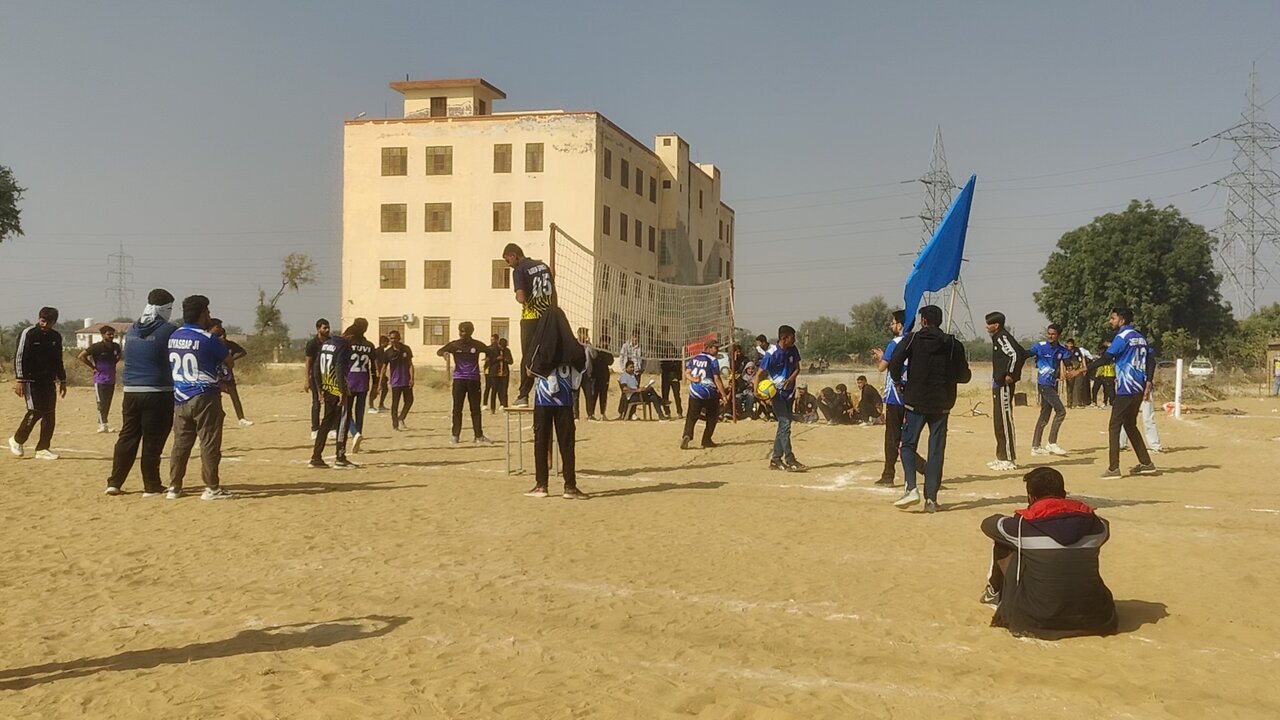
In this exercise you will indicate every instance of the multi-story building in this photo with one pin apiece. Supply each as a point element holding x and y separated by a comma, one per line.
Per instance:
<point>431,198</point>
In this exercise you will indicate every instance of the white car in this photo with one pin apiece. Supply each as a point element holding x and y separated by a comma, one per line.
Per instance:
<point>1200,367</point>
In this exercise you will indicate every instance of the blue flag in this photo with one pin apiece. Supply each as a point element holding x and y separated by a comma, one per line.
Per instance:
<point>938,264</point>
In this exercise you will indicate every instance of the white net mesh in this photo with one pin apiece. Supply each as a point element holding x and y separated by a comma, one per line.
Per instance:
<point>673,321</point>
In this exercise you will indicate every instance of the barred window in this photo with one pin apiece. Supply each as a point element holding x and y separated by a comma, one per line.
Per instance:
<point>436,274</point>
<point>391,275</point>
<point>395,161</point>
<point>501,216</point>
<point>533,157</point>
<point>394,217</point>
<point>435,330</point>
<point>501,275</point>
<point>439,217</point>
<point>533,215</point>
<point>440,160</point>
<point>502,158</point>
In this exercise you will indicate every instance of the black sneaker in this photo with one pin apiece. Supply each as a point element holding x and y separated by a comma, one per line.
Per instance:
<point>931,506</point>
<point>776,464</point>
<point>318,464</point>
<point>573,493</point>
<point>990,598</point>
<point>796,466</point>
<point>1144,469</point>
<point>710,444</point>
<point>1111,474</point>
<point>521,402</point>
<point>885,481</point>
<point>684,442</point>
<point>343,462</point>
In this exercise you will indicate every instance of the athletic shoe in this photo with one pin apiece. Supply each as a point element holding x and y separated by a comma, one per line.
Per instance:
<point>453,440</point>
<point>990,598</point>
<point>1056,449</point>
<point>333,434</point>
<point>994,464</point>
<point>343,462</point>
<point>521,402</point>
<point>776,464</point>
<point>909,498</point>
<point>149,494</point>
<point>710,444</point>
<point>1111,474</point>
<point>1144,469</point>
<point>538,491</point>
<point>355,442</point>
<point>796,466</point>
<point>573,493</point>
<point>172,494</point>
<point>885,481</point>
<point>372,411</point>
<point>102,427</point>
<point>15,447</point>
<point>684,442</point>
<point>318,464</point>
<point>1036,450</point>
<point>45,455</point>
<point>1004,466</point>
<point>113,490</point>
<point>245,422</point>
<point>591,418</point>
<point>484,440</point>
<point>215,494</point>
<point>313,434</point>
<point>931,506</point>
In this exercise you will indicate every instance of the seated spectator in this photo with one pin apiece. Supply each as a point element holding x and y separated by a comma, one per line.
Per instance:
<point>1044,580</point>
<point>806,406</point>
<point>629,383</point>
<point>838,410</point>
<point>870,407</point>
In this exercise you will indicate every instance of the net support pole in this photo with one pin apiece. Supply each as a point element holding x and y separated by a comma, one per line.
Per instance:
<point>1177,390</point>
<point>733,328</point>
<point>551,250</point>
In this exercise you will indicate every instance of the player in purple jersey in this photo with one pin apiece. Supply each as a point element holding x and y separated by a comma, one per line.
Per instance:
<point>194,357</point>
<point>378,389</point>
<point>397,373</point>
<point>227,375</point>
<point>102,358</point>
<point>466,352</point>
<point>359,378</point>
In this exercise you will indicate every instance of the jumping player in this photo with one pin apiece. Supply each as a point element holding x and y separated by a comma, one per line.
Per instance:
<point>102,358</point>
<point>706,391</point>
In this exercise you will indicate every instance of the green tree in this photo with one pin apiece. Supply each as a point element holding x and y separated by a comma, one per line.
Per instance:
<point>296,271</point>
<point>10,214</point>
<point>1247,346</point>
<point>1151,259</point>
<point>869,325</point>
<point>825,337</point>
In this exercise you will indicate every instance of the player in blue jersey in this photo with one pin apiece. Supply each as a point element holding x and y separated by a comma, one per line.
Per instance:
<point>706,392</point>
<point>894,413</point>
<point>195,357</point>
<point>1135,367</point>
<point>332,362</point>
<point>781,364</point>
<point>554,399</point>
<point>1051,366</point>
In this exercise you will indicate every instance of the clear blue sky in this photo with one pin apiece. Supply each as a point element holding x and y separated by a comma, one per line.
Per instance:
<point>206,136</point>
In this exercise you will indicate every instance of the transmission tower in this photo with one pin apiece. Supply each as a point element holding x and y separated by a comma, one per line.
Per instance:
<point>1250,232</point>
<point>120,278</point>
<point>938,191</point>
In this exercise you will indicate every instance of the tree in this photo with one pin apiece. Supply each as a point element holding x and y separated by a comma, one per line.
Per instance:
<point>825,337</point>
<point>869,325</point>
<point>297,270</point>
<point>1151,259</point>
<point>1247,346</point>
<point>10,215</point>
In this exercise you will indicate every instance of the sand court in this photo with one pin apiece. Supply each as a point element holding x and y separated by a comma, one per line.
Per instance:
<point>694,584</point>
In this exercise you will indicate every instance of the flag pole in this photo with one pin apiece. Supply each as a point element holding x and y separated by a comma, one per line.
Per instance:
<point>951,304</point>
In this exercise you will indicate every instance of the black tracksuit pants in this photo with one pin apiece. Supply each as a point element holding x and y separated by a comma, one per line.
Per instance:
<point>1124,416</point>
<point>42,407</point>
<point>527,328</point>
<point>468,390</point>
<point>894,417</point>
<point>672,382</point>
<point>146,419</point>
<point>546,420</point>
<point>104,393</point>
<point>398,413</point>
<point>698,408</point>
<point>334,418</point>
<point>1002,416</point>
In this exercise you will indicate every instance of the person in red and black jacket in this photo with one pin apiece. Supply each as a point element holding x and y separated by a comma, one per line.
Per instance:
<point>1044,580</point>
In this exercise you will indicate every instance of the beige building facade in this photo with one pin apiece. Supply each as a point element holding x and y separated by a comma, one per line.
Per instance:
<point>431,198</point>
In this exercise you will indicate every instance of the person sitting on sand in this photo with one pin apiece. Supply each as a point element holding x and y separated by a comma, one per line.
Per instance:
<point>1044,579</point>
<point>806,405</point>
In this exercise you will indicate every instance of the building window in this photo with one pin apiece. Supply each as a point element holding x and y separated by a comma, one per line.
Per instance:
<point>501,275</point>
<point>622,226</point>
<point>626,174</point>
<point>394,217</point>
<point>653,233</point>
<point>666,142</point>
<point>533,215</point>
<point>395,161</point>
<point>721,229</point>
<point>639,182</point>
<point>501,327</point>
<point>699,249</point>
<point>727,271</point>
<point>435,274</point>
<point>502,158</point>
<point>501,216</point>
<point>440,160</point>
<point>439,106</point>
<point>699,199</point>
<point>653,190</point>
<point>391,275</point>
<point>639,233</point>
<point>482,108</point>
<point>533,157</point>
<point>439,217</point>
<point>606,223</point>
<point>666,184</point>
<point>435,330</point>
<point>608,164</point>
<point>719,268</point>
<point>387,324</point>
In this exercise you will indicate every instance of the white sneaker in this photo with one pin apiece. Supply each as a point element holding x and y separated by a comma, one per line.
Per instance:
<point>245,422</point>
<point>355,442</point>
<point>172,494</point>
<point>1036,450</point>
<point>45,455</point>
<point>453,439</point>
<point>102,427</point>
<point>15,447</point>
<point>313,434</point>
<point>333,434</point>
<point>909,498</point>
<point>372,411</point>
<point>1056,449</point>
<point>994,464</point>
<point>113,490</point>
<point>1004,465</point>
<point>215,494</point>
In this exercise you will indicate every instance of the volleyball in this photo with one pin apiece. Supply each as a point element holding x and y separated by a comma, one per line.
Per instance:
<point>766,389</point>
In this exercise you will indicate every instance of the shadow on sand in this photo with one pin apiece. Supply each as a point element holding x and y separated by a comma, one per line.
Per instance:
<point>1136,613</point>
<point>659,487</point>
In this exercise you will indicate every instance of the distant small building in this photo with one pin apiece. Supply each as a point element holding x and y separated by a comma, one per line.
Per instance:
<point>91,332</point>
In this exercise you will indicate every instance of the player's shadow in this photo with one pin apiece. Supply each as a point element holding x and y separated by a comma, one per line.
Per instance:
<point>389,465</point>
<point>660,487</point>
<point>1182,448</point>
<point>1133,614</point>
<point>633,471</point>
<point>279,638</point>
<point>255,492</point>
<point>1099,503</point>
<point>1055,462</point>
<point>238,450</point>
<point>1187,469</point>
<point>1017,500</point>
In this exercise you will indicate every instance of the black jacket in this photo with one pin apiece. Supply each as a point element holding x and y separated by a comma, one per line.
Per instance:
<point>937,363</point>
<point>554,344</point>
<point>39,356</point>
<point>1007,357</point>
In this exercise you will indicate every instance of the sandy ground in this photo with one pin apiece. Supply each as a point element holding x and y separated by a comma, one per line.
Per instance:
<point>694,583</point>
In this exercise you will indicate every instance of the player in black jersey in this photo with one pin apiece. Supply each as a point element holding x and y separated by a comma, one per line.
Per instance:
<point>331,363</point>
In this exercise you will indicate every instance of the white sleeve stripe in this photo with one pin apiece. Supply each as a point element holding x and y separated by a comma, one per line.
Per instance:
<point>22,347</point>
